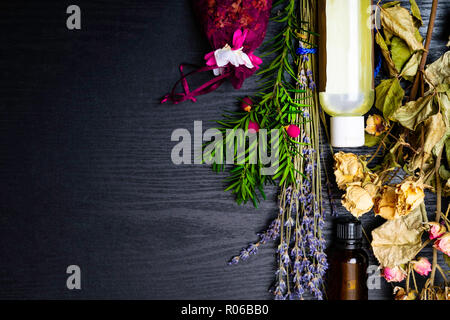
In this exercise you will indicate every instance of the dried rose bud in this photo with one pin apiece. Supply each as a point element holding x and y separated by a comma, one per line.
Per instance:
<point>347,169</point>
<point>422,266</point>
<point>399,201</point>
<point>410,196</point>
<point>357,201</point>
<point>372,189</point>
<point>246,104</point>
<point>375,125</point>
<point>386,203</point>
<point>436,230</point>
<point>443,243</point>
<point>400,294</point>
<point>395,274</point>
<point>292,130</point>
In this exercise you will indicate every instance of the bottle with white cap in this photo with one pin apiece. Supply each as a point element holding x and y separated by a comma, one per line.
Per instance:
<point>346,89</point>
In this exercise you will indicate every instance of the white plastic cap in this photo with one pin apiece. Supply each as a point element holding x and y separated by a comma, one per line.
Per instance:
<point>347,131</point>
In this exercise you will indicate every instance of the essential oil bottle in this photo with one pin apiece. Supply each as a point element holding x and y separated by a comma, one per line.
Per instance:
<point>346,88</point>
<point>347,274</point>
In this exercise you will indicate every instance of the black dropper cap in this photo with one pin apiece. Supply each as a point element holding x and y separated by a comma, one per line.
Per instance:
<point>349,232</point>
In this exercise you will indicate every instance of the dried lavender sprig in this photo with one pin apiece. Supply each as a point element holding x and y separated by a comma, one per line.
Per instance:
<point>272,233</point>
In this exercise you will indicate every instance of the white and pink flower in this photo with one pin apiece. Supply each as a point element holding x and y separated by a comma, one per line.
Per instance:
<point>232,55</point>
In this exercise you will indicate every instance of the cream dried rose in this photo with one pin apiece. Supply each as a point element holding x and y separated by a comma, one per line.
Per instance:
<point>410,196</point>
<point>371,183</point>
<point>357,200</point>
<point>371,189</point>
<point>347,169</point>
<point>385,205</point>
<point>399,201</point>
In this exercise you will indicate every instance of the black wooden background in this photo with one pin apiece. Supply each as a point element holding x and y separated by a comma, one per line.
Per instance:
<point>86,175</point>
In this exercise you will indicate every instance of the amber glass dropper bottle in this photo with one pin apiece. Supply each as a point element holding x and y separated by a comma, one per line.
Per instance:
<point>347,275</point>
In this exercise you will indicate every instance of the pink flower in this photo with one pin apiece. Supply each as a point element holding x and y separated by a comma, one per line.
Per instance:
<point>246,104</point>
<point>395,274</point>
<point>422,266</point>
<point>436,230</point>
<point>292,130</point>
<point>443,244</point>
<point>253,127</point>
<point>234,55</point>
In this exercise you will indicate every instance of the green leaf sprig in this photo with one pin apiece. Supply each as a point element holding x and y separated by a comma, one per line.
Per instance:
<point>276,105</point>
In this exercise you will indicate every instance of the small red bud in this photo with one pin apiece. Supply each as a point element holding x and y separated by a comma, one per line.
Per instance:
<point>292,130</point>
<point>246,104</point>
<point>253,127</point>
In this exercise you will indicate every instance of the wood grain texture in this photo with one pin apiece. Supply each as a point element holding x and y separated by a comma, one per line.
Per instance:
<point>85,171</point>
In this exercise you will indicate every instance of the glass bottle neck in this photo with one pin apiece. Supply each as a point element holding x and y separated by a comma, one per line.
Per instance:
<point>349,244</point>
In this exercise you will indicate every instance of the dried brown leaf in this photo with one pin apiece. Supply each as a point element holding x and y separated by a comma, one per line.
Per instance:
<point>397,241</point>
<point>438,72</point>
<point>415,112</point>
<point>398,21</point>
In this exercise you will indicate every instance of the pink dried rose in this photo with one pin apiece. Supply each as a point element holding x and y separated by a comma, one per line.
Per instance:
<point>253,127</point>
<point>443,243</point>
<point>422,266</point>
<point>436,230</point>
<point>395,274</point>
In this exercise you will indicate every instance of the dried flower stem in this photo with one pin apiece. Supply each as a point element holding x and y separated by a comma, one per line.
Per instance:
<point>379,146</point>
<point>408,276</point>
<point>419,76</point>
<point>438,211</point>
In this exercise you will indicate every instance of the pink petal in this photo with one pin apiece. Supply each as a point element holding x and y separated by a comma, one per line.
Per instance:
<point>254,59</point>
<point>210,59</point>
<point>238,39</point>
<point>209,55</point>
